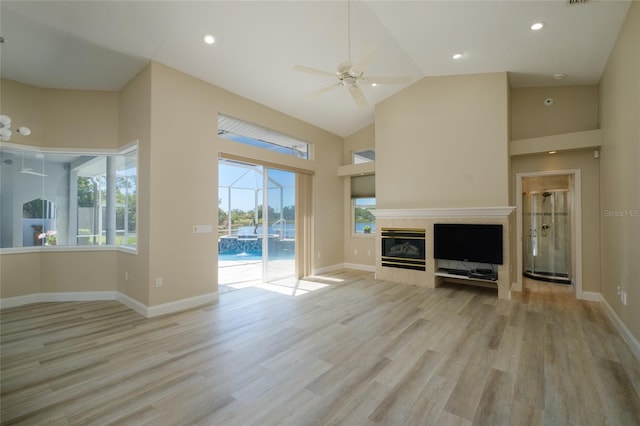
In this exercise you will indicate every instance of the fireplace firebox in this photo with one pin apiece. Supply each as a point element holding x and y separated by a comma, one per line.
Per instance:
<point>403,248</point>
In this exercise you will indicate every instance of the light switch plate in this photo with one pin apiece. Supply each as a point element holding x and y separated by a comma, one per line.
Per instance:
<point>202,229</point>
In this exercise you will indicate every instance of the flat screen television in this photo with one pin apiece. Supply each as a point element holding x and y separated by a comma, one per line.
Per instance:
<point>468,242</point>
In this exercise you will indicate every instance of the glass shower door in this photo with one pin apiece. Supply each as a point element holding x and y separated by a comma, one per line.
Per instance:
<point>546,225</point>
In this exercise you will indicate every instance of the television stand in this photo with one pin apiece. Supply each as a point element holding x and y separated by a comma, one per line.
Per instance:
<point>484,275</point>
<point>468,276</point>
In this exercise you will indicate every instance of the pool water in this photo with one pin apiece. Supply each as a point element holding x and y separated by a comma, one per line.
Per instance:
<point>241,257</point>
<point>250,257</point>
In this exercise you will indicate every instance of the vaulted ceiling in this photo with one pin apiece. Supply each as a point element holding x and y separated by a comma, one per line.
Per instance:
<point>103,44</point>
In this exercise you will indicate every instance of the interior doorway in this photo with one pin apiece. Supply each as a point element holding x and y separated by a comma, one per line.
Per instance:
<point>549,228</point>
<point>546,221</point>
<point>256,224</point>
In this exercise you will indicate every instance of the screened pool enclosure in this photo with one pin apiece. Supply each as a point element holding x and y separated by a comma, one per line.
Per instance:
<point>256,222</point>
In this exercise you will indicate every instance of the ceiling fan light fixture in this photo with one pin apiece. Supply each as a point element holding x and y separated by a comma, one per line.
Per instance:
<point>537,26</point>
<point>24,131</point>
<point>351,74</point>
<point>5,129</point>
<point>5,134</point>
<point>5,121</point>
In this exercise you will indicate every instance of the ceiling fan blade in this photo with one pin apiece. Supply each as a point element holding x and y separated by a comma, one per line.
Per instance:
<point>388,80</point>
<point>314,71</point>
<point>358,96</point>
<point>362,62</point>
<point>323,91</point>
<point>31,172</point>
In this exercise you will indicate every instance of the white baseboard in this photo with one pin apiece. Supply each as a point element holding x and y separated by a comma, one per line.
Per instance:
<point>85,296</point>
<point>327,269</point>
<point>590,296</point>
<point>340,266</point>
<point>132,304</point>
<point>359,267</point>
<point>626,334</point>
<point>69,296</point>
<point>181,305</point>
<point>12,302</point>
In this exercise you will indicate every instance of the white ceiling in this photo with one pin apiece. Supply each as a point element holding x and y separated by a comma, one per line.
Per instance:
<point>103,44</point>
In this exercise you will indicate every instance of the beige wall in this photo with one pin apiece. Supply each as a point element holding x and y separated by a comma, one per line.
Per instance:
<point>360,249</point>
<point>590,195</point>
<point>55,272</point>
<point>78,271</point>
<point>620,173</point>
<point>59,119</point>
<point>62,118</point>
<point>134,121</point>
<point>19,275</point>
<point>177,182</point>
<point>575,109</point>
<point>24,104</point>
<point>184,176</point>
<point>80,118</point>
<point>443,142</point>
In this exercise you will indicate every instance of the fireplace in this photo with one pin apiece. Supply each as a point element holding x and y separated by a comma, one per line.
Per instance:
<point>418,224</point>
<point>403,248</point>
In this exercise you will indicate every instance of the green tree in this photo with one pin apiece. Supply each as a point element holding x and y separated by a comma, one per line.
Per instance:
<point>222,216</point>
<point>289,213</point>
<point>86,192</point>
<point>363,215</point>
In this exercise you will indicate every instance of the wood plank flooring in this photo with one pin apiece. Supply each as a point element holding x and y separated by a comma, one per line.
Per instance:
<point>357,352</point>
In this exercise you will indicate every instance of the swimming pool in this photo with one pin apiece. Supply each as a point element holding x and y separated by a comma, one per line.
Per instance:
<point>240,257</point>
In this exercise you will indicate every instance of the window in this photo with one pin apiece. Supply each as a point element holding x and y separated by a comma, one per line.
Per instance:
<point>363,200</point>
<point>251,134</point>
<point>66,199</point>
<point>363,220</point>
<point>366,156</point>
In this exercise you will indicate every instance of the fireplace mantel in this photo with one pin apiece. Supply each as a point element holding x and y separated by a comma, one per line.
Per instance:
<point>500,212</point>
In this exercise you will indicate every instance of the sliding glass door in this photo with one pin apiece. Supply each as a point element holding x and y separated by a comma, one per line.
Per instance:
<point>256,227</point>
<point>279,245</point>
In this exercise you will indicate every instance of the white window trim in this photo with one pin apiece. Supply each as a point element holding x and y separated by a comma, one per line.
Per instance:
<point>131,146</point>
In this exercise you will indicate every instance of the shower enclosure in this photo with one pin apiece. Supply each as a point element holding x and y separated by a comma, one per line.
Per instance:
<point>547,235</point>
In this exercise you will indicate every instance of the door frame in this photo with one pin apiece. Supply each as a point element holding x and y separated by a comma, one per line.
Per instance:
<point>576,226</point>
<point>303,210</point>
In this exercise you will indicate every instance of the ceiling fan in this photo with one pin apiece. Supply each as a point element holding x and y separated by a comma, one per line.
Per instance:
<point>350,74</point>
<point>29,170</point>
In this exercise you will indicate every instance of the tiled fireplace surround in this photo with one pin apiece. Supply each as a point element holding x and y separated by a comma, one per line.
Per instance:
<point>425,218</point>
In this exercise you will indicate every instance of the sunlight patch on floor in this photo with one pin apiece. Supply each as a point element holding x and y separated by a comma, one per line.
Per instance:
<point>292,287</point>
<point>249,274</point>
<point>329,279</point>
<point>288,286</point>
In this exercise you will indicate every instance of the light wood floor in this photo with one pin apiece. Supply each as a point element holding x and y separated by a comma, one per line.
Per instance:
<point>357,352</point>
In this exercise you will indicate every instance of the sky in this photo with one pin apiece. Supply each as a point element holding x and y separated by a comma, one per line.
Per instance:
<point>245,180</point>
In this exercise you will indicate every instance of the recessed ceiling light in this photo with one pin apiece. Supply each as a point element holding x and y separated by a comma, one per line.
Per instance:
<point>374,84</point>
<point>457,56</point>
<point>209,39</point>
<point>552,152</point>
<point>560,76</point>
<point>536,26</point>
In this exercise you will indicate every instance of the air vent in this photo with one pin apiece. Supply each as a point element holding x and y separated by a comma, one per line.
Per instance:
<point>578,1</point>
